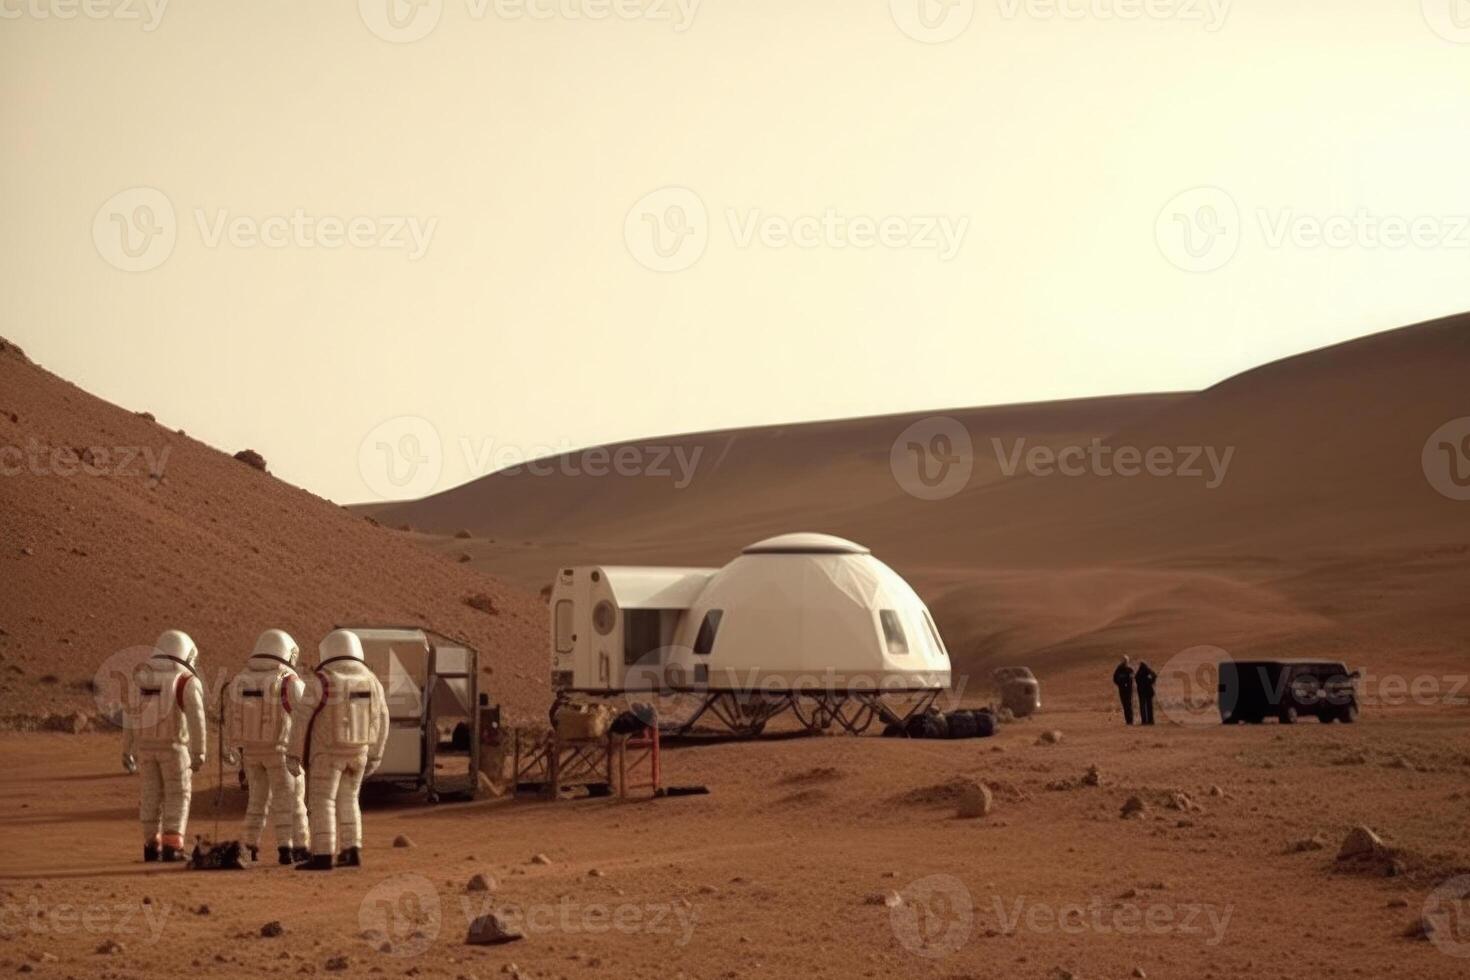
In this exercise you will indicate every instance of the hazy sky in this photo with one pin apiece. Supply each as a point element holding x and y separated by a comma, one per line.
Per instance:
<point>507,227</point>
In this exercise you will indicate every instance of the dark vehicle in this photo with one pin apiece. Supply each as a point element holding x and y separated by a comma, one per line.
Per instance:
<point>1253,690</point>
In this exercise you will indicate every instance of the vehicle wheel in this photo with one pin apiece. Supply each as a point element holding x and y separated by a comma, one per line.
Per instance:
<point>1349,714</point>
<point>1288,716</point>
<point>1327,717</point>
<point>1254,720</point>
<point>433,798</point>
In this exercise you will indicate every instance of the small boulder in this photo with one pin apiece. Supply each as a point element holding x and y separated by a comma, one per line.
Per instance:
<point>540,859</point>
<point>479,883</point>
<point>1134,808</point>
<point>1049,738</point>
<point>109,946</point>
<point>402,840</point>
<point>889,899</point>
<point>975,800</point>
<point>482,602</point>
<point>1093,777</point>
<point>1360,843</point>
<point>337,963</point>
<point>272,929</point>
<point>252,458</point>
<point>463,533</point>
<point>491,930</point>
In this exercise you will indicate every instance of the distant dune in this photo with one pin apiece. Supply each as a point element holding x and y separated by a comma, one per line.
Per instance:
<point>1310,525</point>
<point>100,557</point>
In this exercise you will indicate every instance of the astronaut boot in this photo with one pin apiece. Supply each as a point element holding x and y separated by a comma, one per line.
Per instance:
<point>171,854</point>
<point>350,858</point>
<point>317,862</point>
<point>300,854</point>
<point>150,852</point>
<point>284,855</point>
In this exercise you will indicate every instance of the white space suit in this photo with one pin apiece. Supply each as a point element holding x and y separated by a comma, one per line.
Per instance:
<point>338,731</point>
<point>258,704</point>
<point>165,739</point>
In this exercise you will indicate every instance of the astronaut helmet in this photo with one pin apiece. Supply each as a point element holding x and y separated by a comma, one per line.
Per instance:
<point>339,645</point>
<point>177,645</point>
<point>278,645</point>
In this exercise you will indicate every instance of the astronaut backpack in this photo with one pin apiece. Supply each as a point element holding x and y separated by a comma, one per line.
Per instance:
<point>160,715</point>
<point>347,710</point>
<point>260,709</point>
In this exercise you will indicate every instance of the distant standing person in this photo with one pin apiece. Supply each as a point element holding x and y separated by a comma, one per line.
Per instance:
<point>1145,678</point>
<point>1123,680</point>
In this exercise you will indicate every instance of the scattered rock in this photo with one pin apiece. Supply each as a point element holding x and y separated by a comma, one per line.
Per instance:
<point>1314,843</point>
<point>202,910</point>
<point>890,900</point>
<point>463,533</point>
<point>1359,843</point>
<point>479,883</point>
<point>1421,928</point>
<point>1134,808</point>
<point>491,930</point>
<point>1398,903</point>
<point>1181,802</point>
<point>252,458</point>
<point>272,929</point>
<point>337,963</point>
<point>975,801</point>
<point>1093,777</point>
<point>402,840</point>
<point>1217,792</point>
<point>463,558</point>
<point>109,946</point>
<point>146,416</point>
<point>1049,738</point>
<point>540,859</point>
<point>595,873</point>
<point>482,602</point>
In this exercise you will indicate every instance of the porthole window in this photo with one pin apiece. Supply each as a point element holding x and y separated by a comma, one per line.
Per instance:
<point>604,617</point>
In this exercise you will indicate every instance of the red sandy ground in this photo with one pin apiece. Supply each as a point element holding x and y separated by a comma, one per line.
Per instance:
<point>776,864</point>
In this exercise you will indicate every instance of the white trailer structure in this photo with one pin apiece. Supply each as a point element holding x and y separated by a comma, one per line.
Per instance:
<point>432,686</point>
<point>804,622</point>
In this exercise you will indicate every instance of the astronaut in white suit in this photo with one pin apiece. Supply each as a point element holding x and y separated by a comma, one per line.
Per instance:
<point>165,738</point>
<point>338,732</point>
<point>258,704</point>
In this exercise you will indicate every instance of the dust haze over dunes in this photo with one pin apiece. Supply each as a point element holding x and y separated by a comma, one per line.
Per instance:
<point>1297,513</point>
<point>100,558</point>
